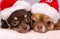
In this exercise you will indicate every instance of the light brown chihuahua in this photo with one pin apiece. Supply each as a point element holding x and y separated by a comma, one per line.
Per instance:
<point>41,23</point>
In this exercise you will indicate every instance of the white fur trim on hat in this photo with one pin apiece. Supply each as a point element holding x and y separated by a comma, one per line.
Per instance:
<point>18,5</point>
<point>59,14</point>
<point>44,8</point>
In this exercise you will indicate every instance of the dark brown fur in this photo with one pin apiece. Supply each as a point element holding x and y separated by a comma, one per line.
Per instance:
<point>19,20</point>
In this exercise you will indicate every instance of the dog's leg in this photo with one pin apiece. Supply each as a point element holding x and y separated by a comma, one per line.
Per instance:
<point>57,25</point>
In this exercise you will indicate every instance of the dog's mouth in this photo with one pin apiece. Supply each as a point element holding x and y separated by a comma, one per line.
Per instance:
<point>40,28</point>
<point>24,29</point>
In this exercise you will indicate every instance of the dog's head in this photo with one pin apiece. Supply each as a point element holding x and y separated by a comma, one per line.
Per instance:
<point>41,23</point>
<point>17,16</point>
<point>43,17</point>
<point>20,20</point>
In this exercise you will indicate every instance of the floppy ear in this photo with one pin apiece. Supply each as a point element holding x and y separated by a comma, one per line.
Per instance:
<point>4,24</point>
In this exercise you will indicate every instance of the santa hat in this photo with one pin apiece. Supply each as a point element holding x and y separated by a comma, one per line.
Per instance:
<point>44,8</point>
<point>7,3</point>
<point>5,13</point>
<point>52,3</point>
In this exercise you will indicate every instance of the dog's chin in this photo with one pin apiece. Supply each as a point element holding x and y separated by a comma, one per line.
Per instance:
<point>24,29</point>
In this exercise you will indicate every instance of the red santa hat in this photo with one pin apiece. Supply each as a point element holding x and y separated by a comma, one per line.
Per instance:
<point>7,3</point>
<point>52,3</point>
<point>46,9</point>
<point>16,5</point>
<point>0,5</point>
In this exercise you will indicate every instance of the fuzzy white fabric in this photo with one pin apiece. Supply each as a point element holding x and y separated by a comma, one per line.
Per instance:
<point>44,8</point>
<point>18,5</point>
<point>10,34</point>
<point>59,14</point>
<point>0,0</point>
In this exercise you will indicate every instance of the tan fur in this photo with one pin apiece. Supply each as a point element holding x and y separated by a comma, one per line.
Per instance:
<point>42,19</point>
<point>57,25</point>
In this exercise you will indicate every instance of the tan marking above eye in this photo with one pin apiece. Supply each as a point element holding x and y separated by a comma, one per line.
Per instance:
<point>49,20</point>
<point>25,16</point>
<point>15,18</point>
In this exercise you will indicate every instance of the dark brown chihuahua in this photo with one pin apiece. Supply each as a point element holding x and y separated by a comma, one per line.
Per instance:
<point>20,20</point>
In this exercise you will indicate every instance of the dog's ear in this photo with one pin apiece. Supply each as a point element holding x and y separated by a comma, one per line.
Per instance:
<point>29,12</point>
<point>4,24</point>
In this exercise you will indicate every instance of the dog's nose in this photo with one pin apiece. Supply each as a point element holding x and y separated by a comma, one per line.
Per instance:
<point>39,27</point>
<point>24,27</point>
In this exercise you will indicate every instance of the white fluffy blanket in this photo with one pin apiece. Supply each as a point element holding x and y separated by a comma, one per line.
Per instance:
<point>10,34</point>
